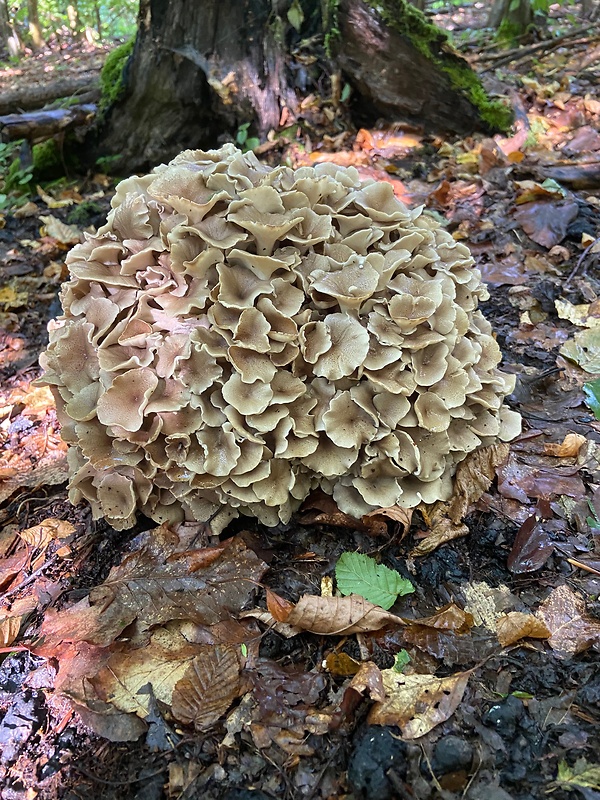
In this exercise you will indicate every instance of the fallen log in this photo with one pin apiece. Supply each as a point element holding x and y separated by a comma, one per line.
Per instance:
<point>36,126</point>
<point>29,98</point>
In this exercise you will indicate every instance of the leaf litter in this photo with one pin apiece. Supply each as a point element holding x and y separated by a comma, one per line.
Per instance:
<point>174,634</point>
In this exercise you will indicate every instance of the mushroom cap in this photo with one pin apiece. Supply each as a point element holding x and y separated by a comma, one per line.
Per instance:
<point>236,335</point>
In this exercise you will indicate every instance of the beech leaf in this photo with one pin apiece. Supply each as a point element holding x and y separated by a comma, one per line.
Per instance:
<point>335,616</point>
<point>357,573</point>
<point>516,625</point>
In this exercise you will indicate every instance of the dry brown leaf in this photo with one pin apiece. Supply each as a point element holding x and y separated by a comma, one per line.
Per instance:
<point>208,687</point>
<point>40,536</point>
<point>473,477</point>
<point>442,530</point>
<point>278,607</point>
<point>571,630</point>
<point>568,448</point>
<point>56,229</point>
<point>9,630</point>
<point>369,681</point>
<point>334,616</point>
<point>11,566</point>
<point>417,703</point>
<point>517,625</point>
<point>449,618</point>
<point>398,514</point>
<point>289,631</point>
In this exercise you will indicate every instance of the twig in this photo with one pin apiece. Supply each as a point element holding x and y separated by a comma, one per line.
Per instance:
<point>580,261</point>
<point>31,578</point>
<point>532,48</point>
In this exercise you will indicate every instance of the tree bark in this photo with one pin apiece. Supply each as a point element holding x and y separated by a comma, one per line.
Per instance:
<point>9,40</point>
<point>35,30</point>
<point>200,70</point>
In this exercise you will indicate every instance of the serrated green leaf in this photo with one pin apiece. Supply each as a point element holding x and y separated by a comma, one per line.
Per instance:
<point>401,659</point>
<point>356,573</point>
<point>582,774</point>
<point>591,390</point>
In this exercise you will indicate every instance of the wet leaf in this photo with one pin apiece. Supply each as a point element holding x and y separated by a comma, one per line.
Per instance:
<point>208,687</point>
<point>357,573</point>
<point>334,616</point>
<point>152,589</point>
<point>591,391</point>
<point>517,625</point>
<point>417,703</point>
<point>546,223</point>
<point>519,481</point>
<point>449,618</point>
<point>532,547</point>
<point>278,607</point>
<point>571,630</point>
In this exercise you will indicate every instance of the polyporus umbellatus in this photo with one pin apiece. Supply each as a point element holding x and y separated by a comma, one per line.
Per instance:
<point>237,335</point>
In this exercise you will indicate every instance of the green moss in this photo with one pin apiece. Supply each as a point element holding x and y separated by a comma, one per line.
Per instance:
<point>47,160</point>
<point>81,214</point>
<point>429,40</point>
<point>111,76</point>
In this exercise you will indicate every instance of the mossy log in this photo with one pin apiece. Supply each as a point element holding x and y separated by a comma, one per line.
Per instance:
<point>200,70</point>
<point>34,96</point>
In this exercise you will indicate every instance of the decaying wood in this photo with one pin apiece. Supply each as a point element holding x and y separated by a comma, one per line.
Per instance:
<point>187,83</point>
<point>31,97</point>
<point>578,176</point>
<point>36,126</point>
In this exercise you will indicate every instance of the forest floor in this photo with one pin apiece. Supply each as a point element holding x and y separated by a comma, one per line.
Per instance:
<point>496,660</point>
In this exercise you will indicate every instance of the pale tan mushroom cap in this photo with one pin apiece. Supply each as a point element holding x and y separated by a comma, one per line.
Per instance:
<point>236,336</point>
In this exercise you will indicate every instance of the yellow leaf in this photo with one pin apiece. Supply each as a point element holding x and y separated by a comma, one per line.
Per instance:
<point>568,448</point>
<point>417,703</point>
<point>9,630</point>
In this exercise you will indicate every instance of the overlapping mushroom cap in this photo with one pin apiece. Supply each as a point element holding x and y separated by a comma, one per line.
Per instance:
<point>237,335</point>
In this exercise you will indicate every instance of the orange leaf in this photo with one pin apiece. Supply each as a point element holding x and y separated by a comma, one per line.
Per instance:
<point>278,607</point>
<point>516,625</point>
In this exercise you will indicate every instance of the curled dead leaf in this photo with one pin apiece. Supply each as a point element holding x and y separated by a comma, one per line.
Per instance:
<point>334,616</point>
<point>40,536</point>
<point>568,448</point>
<point>517,625</point>
<point>9,630</point>
<point>417,703</point>
<point>369,681</point>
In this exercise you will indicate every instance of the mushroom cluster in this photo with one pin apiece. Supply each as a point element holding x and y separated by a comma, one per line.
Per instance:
<point>237,335</point>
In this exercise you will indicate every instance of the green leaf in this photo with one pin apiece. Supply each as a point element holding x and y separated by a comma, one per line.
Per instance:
<point>591,390</point>
<point>582,774</point>
<point>346,91</point>
<point>295,15</point>
<point>400,661</point>
<point>356,573</point>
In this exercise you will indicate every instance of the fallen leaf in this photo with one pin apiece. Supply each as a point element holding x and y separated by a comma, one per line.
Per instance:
<point>11,566</point>
<point>442,530</point>
<point>52,202</point>
<point>568,448</point>
<point>341,664</point>
<point>63,233</point>
<point>517,625</point>
<point>532,547</point>
<point>9,630</point>
<point>417,703</point>
<point>584,349</point>
<point>474,476</point>
<point>208,687</point>
<point>583,774</point>
<point>519,481</point>
<point>545,222</point>
<point>368,681</point>
<point>585,315</point>
<point>449,618</point>
<point>289,631</point>
<point>152,589</point>
<point>335,616</point>
<point>278,607</point>
<point>485,603</point>
<point>571,630</point>
<point>357,573</point>
<point>398,514</point>
<point>40,536</point>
